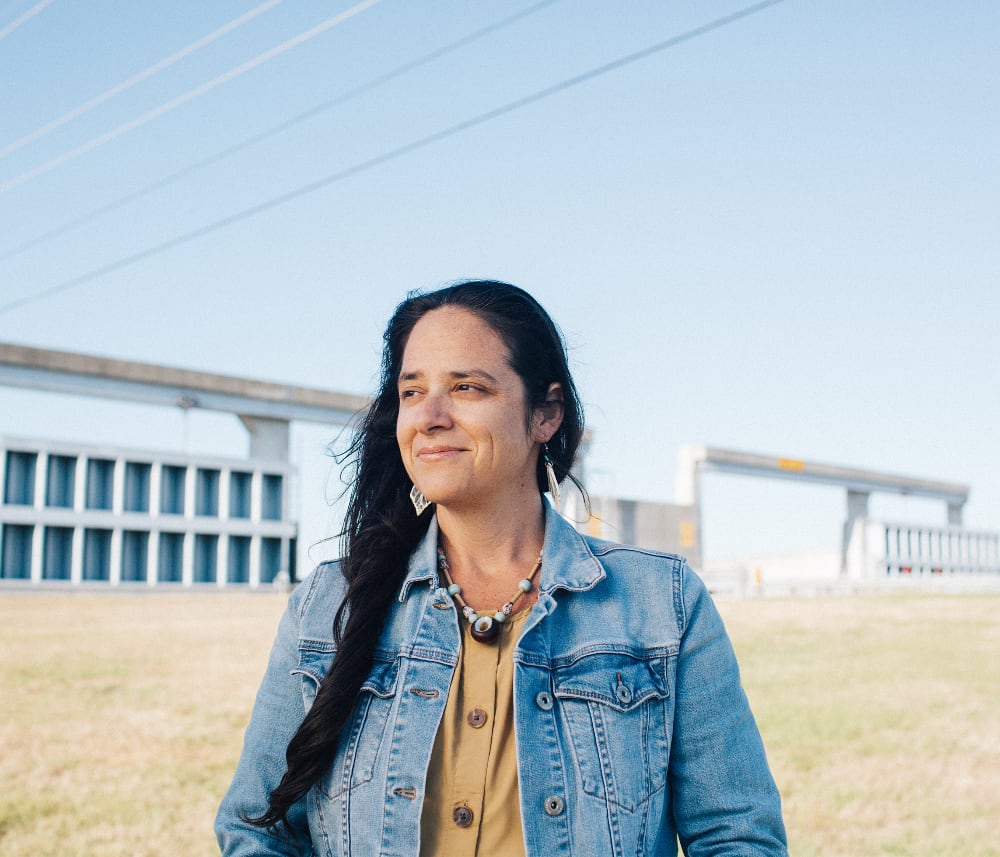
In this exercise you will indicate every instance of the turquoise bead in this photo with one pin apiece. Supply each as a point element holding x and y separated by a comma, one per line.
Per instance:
<point>524,585</point>
<point>500,616</point>
<point>454,589</point>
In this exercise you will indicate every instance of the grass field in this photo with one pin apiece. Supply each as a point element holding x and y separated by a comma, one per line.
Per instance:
<point>121,717</point>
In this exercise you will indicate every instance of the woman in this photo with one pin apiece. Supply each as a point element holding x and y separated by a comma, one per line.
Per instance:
<point>474,676</point>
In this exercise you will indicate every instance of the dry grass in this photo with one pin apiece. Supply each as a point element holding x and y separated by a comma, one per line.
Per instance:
<point>121,717</point>
<point>880,718</point>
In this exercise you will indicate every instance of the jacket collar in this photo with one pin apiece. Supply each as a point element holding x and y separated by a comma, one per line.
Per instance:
<point>567,560</point>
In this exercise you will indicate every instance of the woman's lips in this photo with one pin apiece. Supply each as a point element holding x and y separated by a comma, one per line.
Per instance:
<point>437,453</point>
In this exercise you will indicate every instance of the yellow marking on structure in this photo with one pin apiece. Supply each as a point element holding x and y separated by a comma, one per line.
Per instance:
<point>791,464</point>
<point>687,534</point>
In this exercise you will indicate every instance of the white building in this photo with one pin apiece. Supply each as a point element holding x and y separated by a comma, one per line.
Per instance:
<point>76,513</point>
<point>111,516</point>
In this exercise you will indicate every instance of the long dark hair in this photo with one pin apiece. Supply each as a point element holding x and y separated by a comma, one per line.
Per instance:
<point>381,530</point>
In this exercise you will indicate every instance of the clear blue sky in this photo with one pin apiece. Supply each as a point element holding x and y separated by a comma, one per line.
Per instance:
<point>780,235</point>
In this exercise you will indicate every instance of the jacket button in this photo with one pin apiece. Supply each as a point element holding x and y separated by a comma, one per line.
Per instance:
<point>544,700</point>
<point>554,805</point>
<point>624,694</point>
<point>477,718</point>
<point>462,816</point>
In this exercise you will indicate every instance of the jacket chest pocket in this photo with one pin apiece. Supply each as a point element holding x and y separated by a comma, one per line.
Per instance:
<point>361,739</point>
<point>615,709</point>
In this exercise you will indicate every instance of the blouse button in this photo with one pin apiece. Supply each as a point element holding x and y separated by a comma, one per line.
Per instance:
<point>462,816</point>
<point>554,805</point>
<point>544,700</point>
<point>477,718</point>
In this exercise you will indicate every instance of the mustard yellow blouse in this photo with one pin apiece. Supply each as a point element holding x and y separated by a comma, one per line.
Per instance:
<point>472,801</point>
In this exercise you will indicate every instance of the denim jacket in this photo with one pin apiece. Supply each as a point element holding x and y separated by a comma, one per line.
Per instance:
<point>632,728</point>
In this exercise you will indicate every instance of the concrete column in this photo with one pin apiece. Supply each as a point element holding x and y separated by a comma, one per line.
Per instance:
<point>225,477</point>
<point>955,514</point>
<point>222,560</point>
<point>190,490</point>
<point>187,564</point>
<point>254,576</point>
<point>268,437</point>
<point>41,472</point>
<point>153,554</point>
<point>118,487</point>
<point>155,477</point>
<point>115,571</point>
<point>857,510</point>
<point>76,565</point>
<point>256,495</point>
<point>37,546</point>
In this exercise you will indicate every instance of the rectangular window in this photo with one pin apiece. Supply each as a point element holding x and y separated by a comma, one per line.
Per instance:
<point>171,558</point>
<point>172,481</point>
<point>96,554</point>
<point>239,560</point>
<point>135,555</point>
<point>137,486</point>
<point>207,493</point>
<point>19,482</point>
<point>239,494</point>
<point>61,481</point>
<point>57,553</point>
<point>15,553</point>
<point>206,557</point>
<point>270,559</point>
<point>100,483</point>
<point>270,501</point>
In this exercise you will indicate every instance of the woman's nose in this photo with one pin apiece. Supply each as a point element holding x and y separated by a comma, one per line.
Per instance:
<point>434,413</point>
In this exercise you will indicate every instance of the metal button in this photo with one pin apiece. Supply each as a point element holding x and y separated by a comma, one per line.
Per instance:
<point>624,694</point>
<point>462,816</point>
<point>477,718</point>
<point>554,805</point>
<point>543,700</point>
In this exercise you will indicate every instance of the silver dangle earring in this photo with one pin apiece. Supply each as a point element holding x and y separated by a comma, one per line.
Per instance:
<point>419,501</point>
<point>550,474</point>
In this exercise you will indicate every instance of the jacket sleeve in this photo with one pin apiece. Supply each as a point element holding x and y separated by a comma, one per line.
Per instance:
<point>725,801</point>
<point>277,713</point>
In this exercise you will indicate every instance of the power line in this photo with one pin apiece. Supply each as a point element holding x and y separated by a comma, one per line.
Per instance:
<point>145,74</point>
<point>191,94</point>
<point>390,155</point>
<point>274,130</point>
<point>23,19</point>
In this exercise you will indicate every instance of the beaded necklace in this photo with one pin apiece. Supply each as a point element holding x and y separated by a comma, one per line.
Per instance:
<point>486,626</point>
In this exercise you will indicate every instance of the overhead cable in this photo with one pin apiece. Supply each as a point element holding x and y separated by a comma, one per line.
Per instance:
<point>23,19</point>
<point>274,130</point>
<point>190,95</point>
<point>390,155</point>
<point>145,74</point>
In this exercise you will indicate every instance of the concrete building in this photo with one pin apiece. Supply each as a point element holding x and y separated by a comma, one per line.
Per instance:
<point>110,516</point>
<point>90,514</point>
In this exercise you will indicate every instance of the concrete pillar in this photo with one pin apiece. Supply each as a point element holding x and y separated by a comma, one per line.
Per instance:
<point>268,437</point>
<point>41,474</point>
<point>857,510</point>
<point>955,514</point>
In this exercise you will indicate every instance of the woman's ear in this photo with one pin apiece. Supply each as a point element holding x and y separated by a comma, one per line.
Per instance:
<point>549,415</point>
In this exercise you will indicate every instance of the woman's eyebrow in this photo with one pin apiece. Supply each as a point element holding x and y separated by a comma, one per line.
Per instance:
<point>457,375</point>
<point>474,373</point>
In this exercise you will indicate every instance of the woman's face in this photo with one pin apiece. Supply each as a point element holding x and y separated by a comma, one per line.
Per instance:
<point>463,429</point>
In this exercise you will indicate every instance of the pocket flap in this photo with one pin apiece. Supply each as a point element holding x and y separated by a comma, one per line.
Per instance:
<point>382,678</point>
<point>618,680</point>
